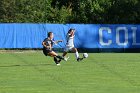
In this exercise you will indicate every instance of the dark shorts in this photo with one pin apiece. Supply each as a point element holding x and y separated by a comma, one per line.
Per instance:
<point>46,51</point>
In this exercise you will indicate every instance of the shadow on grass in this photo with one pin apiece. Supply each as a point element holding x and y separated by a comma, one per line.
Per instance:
<point>26,65</point>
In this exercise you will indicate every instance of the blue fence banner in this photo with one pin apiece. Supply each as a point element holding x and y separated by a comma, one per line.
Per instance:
<point>29,35</point>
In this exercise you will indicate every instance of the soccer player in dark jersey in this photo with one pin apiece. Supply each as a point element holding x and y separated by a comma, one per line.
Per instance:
<point>47,48</point>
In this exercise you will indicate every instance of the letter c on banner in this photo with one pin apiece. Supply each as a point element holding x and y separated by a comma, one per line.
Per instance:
<point>101,36</point>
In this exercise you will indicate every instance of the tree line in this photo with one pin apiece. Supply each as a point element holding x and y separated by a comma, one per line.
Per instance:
<point>70,11</point>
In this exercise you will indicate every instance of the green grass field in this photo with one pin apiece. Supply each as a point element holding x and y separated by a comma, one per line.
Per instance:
<point>32,72</point>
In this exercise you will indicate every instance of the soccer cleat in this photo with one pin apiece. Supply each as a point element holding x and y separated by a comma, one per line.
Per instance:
<point>79,59</point>
<point>58,64</point>
<point>66,58</point>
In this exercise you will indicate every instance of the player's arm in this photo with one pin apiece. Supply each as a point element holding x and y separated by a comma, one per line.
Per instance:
<point>50,46</point>
<point>57,41</point>
<point>44,44</point>
<point>72,34</point>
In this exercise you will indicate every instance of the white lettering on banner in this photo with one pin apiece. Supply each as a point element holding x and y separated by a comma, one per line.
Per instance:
<point>101,35</point>
<point>125,36</point>
<point>118,30</point>
<point>134,29</point>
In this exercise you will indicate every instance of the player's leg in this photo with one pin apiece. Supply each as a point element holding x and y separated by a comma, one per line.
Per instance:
<point>48,53</point>
<point>65,53</point>
<point>76,54</point>
<point>57,61</point>
<point>53,54</point>
<point>45,52</point>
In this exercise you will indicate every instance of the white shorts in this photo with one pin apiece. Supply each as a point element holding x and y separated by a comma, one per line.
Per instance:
<point>68,48</point>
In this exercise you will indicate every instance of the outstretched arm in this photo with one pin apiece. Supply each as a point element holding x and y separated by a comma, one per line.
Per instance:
<point>57,41</point>
<point>72,33</point>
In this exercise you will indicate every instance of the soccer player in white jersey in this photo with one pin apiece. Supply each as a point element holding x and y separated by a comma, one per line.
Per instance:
<point>70,45</point>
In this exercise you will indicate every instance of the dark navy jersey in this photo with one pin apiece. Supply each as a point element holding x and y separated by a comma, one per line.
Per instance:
<point>48,42</point>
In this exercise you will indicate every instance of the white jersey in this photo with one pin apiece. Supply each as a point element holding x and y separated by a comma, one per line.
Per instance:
<point>70,41</point>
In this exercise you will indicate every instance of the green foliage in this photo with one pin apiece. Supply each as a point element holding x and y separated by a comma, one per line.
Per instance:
<point>58,15</point>
<point>124,11</point>
<point>70,11</point>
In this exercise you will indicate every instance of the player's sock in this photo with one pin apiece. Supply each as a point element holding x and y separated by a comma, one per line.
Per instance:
<point>79,59</point>
<point>60,57</point>
<point>59,60</point>
<point>55,60</point>
<point>77,55</point>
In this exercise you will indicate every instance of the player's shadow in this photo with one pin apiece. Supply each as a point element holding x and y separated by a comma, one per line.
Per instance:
<point>25,65</point>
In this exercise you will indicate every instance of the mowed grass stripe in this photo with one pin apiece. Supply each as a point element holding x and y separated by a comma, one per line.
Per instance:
<point>99,73</point>
<point>37,66</point>
<point>122,67</point>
